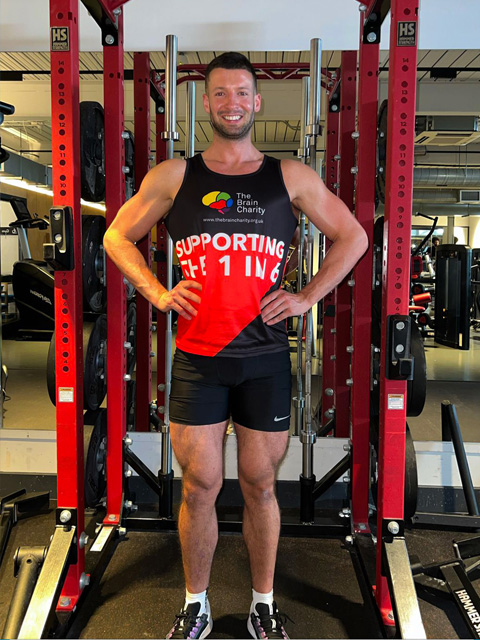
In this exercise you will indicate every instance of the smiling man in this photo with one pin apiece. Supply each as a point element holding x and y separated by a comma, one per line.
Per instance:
<point>231,212</point>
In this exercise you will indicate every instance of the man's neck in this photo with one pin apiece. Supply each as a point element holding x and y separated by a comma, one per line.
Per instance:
<point>232,153</point>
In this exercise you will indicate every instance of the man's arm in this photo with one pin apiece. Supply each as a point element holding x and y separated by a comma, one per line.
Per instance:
<point>330,215</point>
<point>133,221</point>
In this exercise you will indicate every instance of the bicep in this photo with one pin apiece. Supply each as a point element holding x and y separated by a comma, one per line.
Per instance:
<point>152,202</point>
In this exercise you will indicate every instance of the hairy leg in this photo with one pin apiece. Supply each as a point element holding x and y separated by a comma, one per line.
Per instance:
<point>259,454</point>
<point>199,451</point>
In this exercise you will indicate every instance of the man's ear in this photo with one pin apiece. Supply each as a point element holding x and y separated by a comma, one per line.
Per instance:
<point>257,102</point>
<point>206,104</point>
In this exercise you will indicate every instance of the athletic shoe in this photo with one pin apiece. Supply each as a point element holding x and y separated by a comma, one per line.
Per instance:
<point>188,624</point>
<point>266,623</point>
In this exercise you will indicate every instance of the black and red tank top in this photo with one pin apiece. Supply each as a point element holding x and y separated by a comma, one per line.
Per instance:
<point>231,234</point>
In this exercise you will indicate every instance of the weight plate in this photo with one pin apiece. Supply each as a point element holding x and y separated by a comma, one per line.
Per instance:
<point>131,336</point>
<point>95,362</point>
<point>130,163</point>
<point>92,151</point>
<point>417,388</point>
<point>382,150</point>
<point>93,266</point>
<point>95,452</point>
<point>131,405</point>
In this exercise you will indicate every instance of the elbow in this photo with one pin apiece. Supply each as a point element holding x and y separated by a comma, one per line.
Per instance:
<point>363,242</point>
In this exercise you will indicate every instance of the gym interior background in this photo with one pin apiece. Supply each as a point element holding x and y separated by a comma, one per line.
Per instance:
<point>446,191</point>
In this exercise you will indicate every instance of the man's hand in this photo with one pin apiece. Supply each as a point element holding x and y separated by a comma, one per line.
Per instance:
<point>178,299</point>
<point>280,304</point>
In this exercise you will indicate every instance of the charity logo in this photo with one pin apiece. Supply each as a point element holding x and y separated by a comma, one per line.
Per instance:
<point>218,200</point>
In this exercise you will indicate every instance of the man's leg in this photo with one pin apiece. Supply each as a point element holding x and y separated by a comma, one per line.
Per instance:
<point>259,454</point>
<point>199,451</point>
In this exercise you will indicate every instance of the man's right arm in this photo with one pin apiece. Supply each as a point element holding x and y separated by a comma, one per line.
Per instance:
<point>133,221</point>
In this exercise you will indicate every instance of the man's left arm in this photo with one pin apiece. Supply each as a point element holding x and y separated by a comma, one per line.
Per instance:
<point>330,215</point>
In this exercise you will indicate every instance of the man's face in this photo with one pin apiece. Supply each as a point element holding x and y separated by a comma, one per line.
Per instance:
<point>231,102</point>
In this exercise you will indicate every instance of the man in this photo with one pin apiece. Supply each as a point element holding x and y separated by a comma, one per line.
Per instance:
<point>231,212</point>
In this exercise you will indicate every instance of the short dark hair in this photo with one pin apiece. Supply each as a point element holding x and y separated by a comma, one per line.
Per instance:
<point>231,60</point>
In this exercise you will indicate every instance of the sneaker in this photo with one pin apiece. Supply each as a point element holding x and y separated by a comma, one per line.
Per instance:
<point>188,624</point>
<point>265,624</point>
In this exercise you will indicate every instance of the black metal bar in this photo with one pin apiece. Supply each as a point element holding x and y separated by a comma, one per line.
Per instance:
<point>465,596</point>
<point>28,561</point>
<point>6,523</point>
<point>143,471</point>
<point>461,456</point>
<point>331,477</point>
<point>408,619</point>
<point>166,496</point>
<point>454,520</point>
<point>327,428</point>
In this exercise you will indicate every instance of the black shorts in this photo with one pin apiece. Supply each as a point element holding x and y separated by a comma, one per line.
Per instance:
<point>255,391</point>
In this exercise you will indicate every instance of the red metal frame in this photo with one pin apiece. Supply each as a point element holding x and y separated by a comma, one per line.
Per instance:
<point>116,291</point>
<point>68,284</point>
<point>362,275</point>
<point>396,273</point>
<point>343,292</point>
<point>141,98</point>
<point>328,348</point>
<point>110,5</point>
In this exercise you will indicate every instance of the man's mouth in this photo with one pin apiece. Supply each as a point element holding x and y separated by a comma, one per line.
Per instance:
<point>232,118</point>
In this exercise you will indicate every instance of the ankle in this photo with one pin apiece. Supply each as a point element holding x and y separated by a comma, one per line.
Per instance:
<point>202,598</point>
<point>263,598</point>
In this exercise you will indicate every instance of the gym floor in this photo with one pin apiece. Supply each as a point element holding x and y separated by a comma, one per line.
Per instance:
<point>316,585</point>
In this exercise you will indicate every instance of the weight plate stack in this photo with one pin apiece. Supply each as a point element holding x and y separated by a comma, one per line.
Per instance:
<point>131,336</point>
<point>130,164</point>
<point>382,150</point>
<point>95,452</point>
<point>92,151</point>
<point>93,263</point>
<point>94,364</point>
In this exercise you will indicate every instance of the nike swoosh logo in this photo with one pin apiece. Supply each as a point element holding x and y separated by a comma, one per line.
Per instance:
<point>279,419</point>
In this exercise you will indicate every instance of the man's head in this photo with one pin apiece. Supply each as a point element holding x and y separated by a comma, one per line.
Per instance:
<point>231,97</point>
<point>436,240</point>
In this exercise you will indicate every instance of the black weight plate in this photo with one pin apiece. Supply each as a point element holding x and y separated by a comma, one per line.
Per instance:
<point>130,163</point>
<point>411,475</point>
<point>95,362</point>
<point>131,336</point>
<point>94,293</point>
<point>95,452</point>
<point>51,386</point>
<point>131,404</point>
<point>382,150</point>
<point>92,151</point>
<point>417,388</point>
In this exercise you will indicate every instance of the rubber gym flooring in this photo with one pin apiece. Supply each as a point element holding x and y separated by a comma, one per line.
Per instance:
<point>142,586</point>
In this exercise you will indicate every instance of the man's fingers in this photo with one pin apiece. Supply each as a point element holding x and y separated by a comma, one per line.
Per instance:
<point>191,284</point>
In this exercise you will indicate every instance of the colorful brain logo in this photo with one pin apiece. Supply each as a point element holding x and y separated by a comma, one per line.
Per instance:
<point>218,200</point>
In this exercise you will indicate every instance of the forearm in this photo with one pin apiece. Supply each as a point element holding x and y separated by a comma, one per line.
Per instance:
<point>131,263</point>
<point>338,263</point>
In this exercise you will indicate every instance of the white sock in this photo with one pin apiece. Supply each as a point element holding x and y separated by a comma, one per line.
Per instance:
<point>202,598</point>
<point>264,598</point>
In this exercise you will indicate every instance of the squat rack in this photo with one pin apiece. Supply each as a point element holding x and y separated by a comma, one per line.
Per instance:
<point>63,577</point>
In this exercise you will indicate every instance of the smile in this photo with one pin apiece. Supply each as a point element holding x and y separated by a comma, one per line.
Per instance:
<point>232,118</point>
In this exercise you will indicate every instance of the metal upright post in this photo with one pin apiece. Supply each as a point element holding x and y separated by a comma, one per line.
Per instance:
<point>116,290</point>
<point>332,158</point>
<point>308,436</point>
<point>396,362</point>
<point>343,291</point>
<point>190,121</point>
<point>65,84</point>
<point>141,95</point>
<point>362,274</point>
<point>169,135</point>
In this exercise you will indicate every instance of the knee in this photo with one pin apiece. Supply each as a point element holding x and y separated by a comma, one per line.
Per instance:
<point>258,489</point>
<point>200,489</point>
